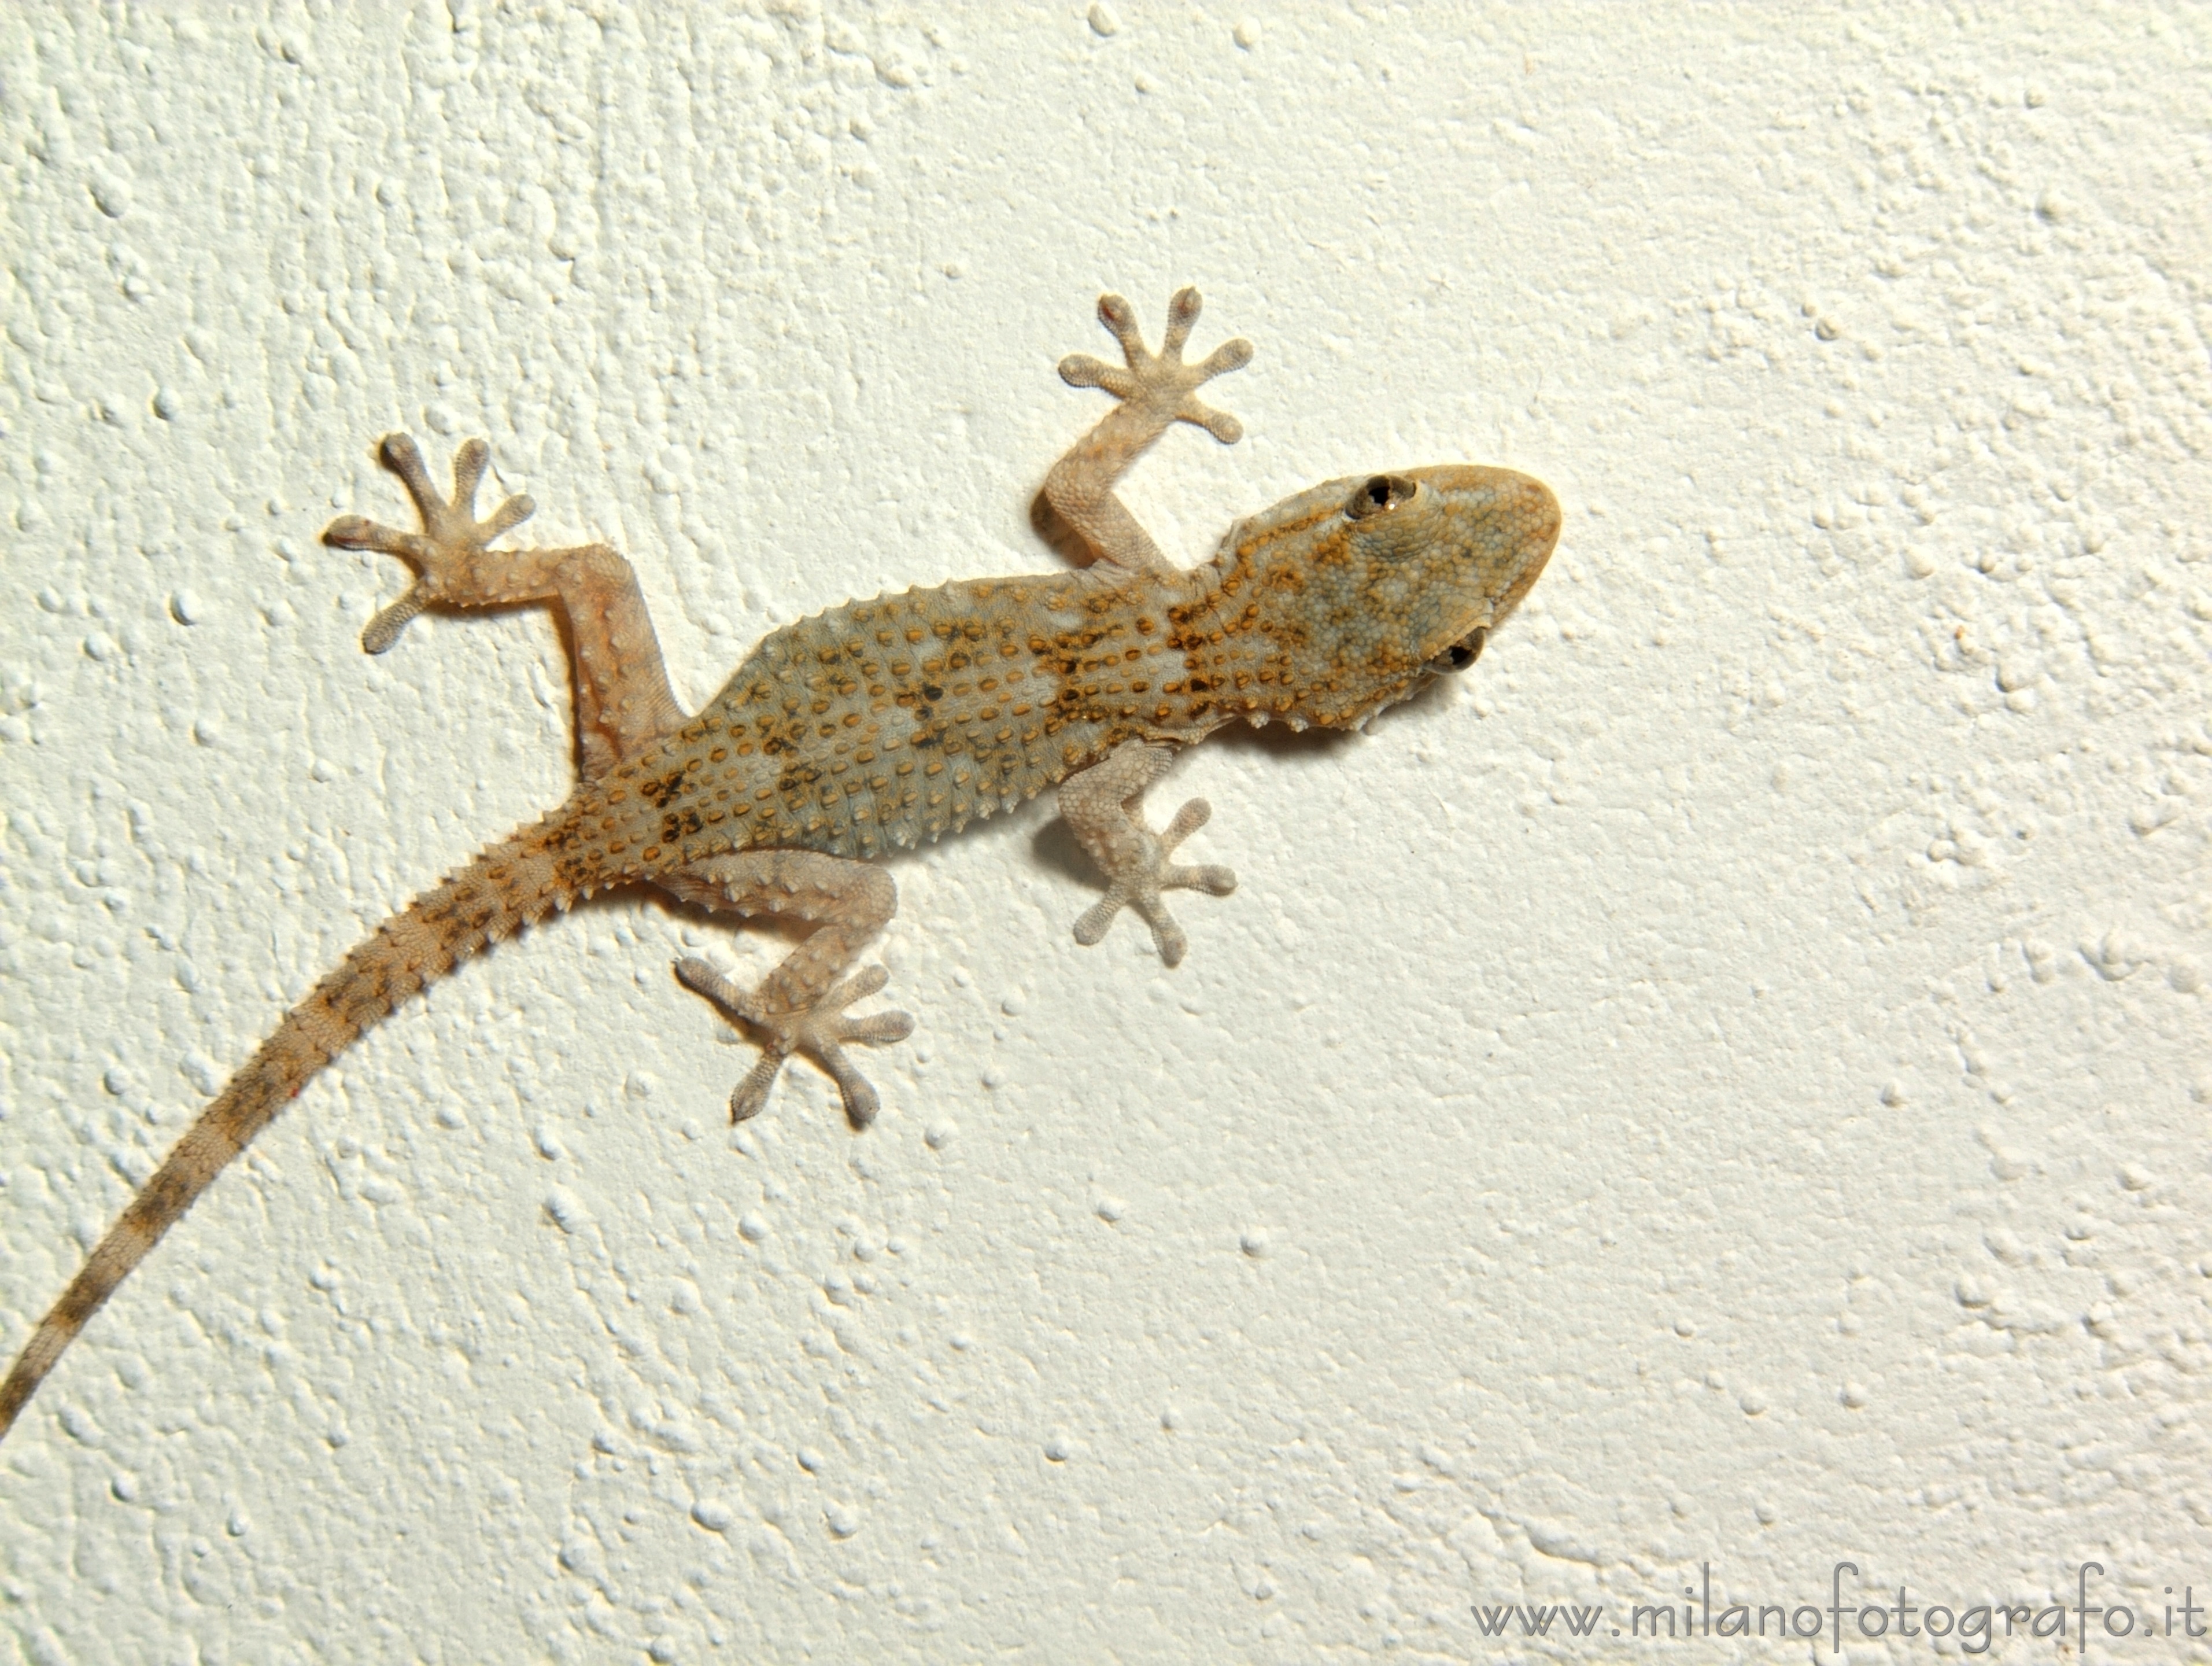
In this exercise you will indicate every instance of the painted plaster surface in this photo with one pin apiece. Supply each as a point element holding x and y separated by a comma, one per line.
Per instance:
<point>1723,1084</point>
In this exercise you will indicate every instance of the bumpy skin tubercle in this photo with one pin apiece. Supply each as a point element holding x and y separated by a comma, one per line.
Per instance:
<point>883,723</point>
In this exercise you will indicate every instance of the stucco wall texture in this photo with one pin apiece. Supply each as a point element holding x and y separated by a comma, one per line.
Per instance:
<point>1717,1092</point>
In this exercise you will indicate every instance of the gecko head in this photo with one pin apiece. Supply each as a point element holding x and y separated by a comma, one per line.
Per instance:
<point>1372,586</point>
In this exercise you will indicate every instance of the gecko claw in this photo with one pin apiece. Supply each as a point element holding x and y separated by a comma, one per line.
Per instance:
<point>821,1032</point>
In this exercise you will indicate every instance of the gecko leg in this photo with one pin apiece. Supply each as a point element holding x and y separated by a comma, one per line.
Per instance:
<point>623,699</point>
<point>1156,391</point>
<point>1103,804</point>
<point>799,1007</point>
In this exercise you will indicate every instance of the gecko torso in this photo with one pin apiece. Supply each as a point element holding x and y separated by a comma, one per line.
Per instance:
<point>882,723</point>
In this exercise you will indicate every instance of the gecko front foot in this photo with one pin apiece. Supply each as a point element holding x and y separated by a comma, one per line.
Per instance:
<point>1104,806</point>
<point>820,1032</point>
<point>448,553</point>
<point>1159,387</point>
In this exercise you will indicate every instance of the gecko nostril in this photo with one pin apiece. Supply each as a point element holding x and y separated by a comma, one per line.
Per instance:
<point>1463,652</point>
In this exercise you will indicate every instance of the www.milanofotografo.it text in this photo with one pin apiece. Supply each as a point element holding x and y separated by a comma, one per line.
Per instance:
<point>1975,1626</point>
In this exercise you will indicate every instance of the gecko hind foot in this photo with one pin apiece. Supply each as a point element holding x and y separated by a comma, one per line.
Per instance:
<point>1139,871</point>
<point>452,539</point>
<point>1161,383</point>
<point>821,1032</point>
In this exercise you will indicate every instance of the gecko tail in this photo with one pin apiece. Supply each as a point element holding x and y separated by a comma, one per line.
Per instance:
<point>506,887</point>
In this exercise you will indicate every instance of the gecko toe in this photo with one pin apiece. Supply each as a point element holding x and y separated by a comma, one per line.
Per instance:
<point>1081,370</point>
<point>1118,316</point>
<point>505,518</point>
<point>399,454</point>
<point>1167,936</point>
<point>1232,355</point>
<point>470,459</point>
<point>1218,423</point>
<point>359,532</point>
<point>384,630</point>
<point>750,1097</point>
<point>1184,308</point>
<point>1091,930</point>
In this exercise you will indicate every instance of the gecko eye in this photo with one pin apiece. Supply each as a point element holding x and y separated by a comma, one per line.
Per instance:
<point>1376,497</point>
<point>1462,654</point>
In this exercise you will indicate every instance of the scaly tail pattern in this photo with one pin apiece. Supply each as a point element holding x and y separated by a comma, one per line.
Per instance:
<point>506,887</point>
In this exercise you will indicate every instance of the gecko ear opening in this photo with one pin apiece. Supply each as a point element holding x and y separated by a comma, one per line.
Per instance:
<point>1378,495</point>
<point>1463,652</point>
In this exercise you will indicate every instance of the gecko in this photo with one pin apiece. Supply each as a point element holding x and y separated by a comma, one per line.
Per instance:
<point>876,726</point>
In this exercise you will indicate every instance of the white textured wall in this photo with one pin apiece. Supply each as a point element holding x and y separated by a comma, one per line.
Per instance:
<point>1723,1083</point>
